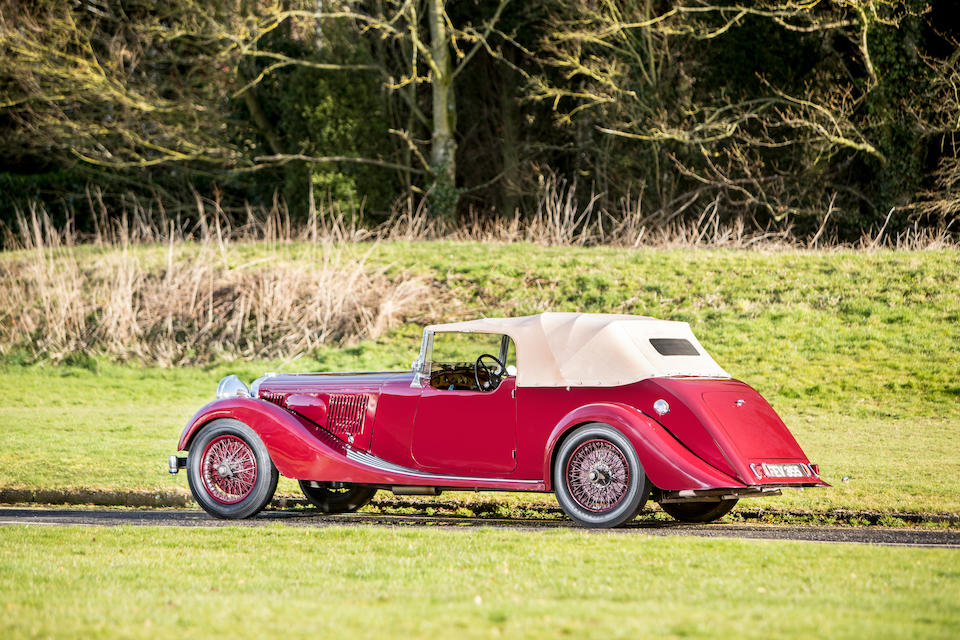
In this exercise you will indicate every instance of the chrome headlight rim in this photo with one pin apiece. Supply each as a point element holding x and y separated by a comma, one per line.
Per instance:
<point>232,387</point>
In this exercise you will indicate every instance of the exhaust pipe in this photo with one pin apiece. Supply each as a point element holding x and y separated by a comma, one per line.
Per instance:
<point>415,491</point>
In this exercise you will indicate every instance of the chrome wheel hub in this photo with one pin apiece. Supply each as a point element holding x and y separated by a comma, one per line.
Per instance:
<point>229,469</point>
<point>600,477</point>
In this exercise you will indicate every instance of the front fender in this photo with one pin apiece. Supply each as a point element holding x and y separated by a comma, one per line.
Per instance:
<point>295,445</point>
<point>669,465</point>
<point>304,451</point>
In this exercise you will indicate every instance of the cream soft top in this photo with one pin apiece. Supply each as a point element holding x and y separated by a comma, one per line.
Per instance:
<point>592,349</point>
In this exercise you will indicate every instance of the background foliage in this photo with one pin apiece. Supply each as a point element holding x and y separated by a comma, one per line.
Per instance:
<point>807,115</point>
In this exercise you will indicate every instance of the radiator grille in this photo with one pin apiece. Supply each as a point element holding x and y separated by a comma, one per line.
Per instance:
<point>346,414</point>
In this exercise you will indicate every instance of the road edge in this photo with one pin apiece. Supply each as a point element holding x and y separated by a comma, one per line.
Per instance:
<point>168,499</point>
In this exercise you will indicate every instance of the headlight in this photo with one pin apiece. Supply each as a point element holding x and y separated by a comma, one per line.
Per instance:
<point>231,387</point>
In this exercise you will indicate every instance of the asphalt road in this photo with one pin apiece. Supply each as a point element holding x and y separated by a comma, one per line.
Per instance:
<point>907,536</point>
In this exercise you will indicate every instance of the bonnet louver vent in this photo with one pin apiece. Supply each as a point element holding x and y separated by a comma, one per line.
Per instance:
<point>345,417</point>
<point>276,398</point>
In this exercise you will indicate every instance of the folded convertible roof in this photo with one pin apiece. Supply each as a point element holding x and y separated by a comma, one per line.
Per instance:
<point>596,349</point>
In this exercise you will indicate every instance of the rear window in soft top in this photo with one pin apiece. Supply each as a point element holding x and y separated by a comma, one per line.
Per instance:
<point>674,347</point>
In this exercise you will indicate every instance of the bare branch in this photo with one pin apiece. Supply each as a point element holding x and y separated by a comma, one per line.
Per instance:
<point>287,157</point>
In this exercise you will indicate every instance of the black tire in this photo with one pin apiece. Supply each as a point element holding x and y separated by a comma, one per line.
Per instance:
<point>598,478</point>
<point>699,511</point>
<point>328,499</point>
<point>248,479</point>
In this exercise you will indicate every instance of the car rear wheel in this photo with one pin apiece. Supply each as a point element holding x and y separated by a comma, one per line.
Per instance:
<point>229,470</point>
<point>342,499</point>
<point>598,478</point>
<point>699,511</point>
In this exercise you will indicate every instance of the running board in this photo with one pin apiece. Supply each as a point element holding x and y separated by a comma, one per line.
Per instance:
<point>426,478</point>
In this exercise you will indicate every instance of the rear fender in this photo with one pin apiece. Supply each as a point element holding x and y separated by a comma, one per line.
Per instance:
<point>669,465</point>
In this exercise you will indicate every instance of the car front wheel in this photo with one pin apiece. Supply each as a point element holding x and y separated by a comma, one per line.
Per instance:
<point>229,470</point>
<point>598,478</point>
<point>331,499</point>
<point>699,511</point>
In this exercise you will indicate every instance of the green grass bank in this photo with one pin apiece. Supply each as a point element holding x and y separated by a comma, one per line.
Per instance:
<point>859,352</point>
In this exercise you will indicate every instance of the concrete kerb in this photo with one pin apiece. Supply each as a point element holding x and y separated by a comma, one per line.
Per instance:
<point>106,498</point>
<point>100,498</point>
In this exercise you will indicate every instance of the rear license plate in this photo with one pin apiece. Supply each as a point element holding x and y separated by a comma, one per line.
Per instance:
<point>794,470</point>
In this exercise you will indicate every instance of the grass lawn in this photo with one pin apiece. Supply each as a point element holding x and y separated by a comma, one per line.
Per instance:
<point>339,582</point>
<point>860,354</point>
<point>71,428</point>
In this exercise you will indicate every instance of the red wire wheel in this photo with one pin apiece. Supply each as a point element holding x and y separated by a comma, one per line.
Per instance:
<point>229,469</point>
<point>598,475</point>
<point>598,478</point>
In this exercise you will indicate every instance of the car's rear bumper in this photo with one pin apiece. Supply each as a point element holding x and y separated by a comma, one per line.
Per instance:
<point>734,493</point>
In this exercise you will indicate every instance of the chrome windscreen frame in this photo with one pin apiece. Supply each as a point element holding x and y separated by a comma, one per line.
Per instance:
<point>421,366</point>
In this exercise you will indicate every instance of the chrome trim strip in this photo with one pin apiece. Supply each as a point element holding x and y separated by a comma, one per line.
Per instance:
<point>344,373</point>
<point>383,465</point>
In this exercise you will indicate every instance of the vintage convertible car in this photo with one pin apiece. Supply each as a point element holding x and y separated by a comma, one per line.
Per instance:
<point>604,410</point>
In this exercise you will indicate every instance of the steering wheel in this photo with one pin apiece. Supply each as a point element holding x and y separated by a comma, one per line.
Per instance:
<point>493,376</point>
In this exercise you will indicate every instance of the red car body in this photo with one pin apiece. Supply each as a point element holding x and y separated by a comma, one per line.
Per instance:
<point>718,440</point>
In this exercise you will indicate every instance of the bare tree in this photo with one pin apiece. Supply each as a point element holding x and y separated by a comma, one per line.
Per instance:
<point>116,87</point>
<point>634,70</point>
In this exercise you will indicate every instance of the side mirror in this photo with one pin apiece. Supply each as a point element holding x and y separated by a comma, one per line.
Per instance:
<point>511,370</point>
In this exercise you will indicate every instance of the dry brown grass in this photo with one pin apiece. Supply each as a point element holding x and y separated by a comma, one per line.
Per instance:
<point>565,218</point>
<point>60,296</point>
<point>562,217</point>
<point>57,299</point>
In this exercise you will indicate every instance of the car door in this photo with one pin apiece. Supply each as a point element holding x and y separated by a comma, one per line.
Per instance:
<point>467,433</point>
<point>460,429</point>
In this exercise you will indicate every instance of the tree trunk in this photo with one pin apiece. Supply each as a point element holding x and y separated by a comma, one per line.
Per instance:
<point>509,186</point>
<point>262,121</point>
<point>444,195</point>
